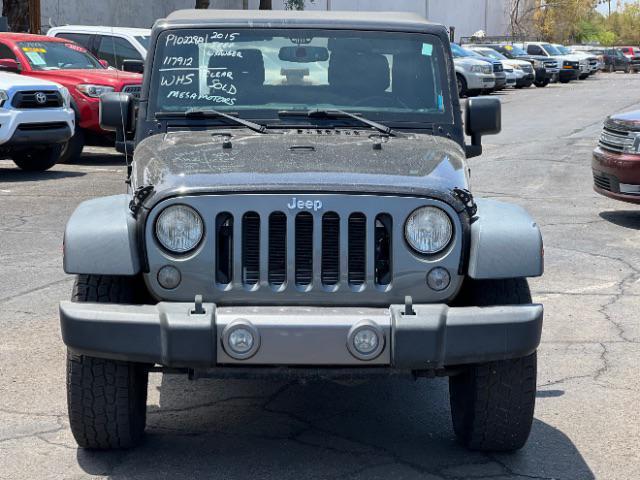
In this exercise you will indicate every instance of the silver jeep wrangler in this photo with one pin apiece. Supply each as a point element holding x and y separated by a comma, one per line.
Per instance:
<point>298,205</point>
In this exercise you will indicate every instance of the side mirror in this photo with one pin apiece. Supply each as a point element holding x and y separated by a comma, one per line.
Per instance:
<point>117,115</point>
<point>482,117</point>
<point>104,63</point>
<point>135,66</point>
<point>9,65</point>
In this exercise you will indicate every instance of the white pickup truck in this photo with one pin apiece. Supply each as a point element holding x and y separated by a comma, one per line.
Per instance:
<point>36,121</point>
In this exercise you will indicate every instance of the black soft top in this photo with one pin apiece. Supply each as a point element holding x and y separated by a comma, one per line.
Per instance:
<point>387,21</point>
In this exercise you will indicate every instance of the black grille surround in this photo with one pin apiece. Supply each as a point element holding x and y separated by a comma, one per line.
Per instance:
<point>304,249</point>
<point>28,99</point>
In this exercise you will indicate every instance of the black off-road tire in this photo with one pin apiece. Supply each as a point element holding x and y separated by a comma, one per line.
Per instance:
<point>492,404</point>
<point>106,399</point>
<point>37,159</point>
<point>542,83</point>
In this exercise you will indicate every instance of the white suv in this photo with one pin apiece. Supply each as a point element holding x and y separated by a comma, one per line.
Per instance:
<point>36,120</point>
<point>123,48</point>
<point>474,76</point>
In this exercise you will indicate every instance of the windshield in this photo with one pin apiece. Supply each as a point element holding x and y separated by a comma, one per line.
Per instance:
<point>550,49</point>
<point>488,52</point>
<point>459,52</point>
<point>564,50</point>
<point>143,40</point>
<point>257,73</point>
<point>58,56</point>
<point>512,51</point>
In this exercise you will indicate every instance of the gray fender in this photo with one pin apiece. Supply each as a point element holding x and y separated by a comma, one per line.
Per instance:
<point>100,238</point>
<point>505,242</point>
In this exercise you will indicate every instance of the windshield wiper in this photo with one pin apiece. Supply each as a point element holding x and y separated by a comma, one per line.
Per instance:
<point>196,112</point>
<point>319,113</point>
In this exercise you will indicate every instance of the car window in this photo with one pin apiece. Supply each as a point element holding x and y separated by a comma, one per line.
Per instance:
<point>388,75</point>
<point>115,50</point>
<point>7,52</point>
<point>535,50</point>
<point>143,40</point>
<point>489,52</point>
<point>57,55</point>
<point>459,52</point>
<point>83,39</point>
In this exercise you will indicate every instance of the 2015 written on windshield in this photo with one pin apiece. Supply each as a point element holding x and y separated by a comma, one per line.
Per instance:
<point>214,84</point>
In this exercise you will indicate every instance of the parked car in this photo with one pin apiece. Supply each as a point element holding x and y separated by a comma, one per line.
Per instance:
<point>473,76</point>
<point>571,67</point>
<point>498,70</point>
<point>546,69</point>
<point>616,159</point>
<point>616,61</point>
<point>631,53</point>
<point>124,48</point>
<point>592,60</point>
<point>71,65</point>
<point>36,120</point>
<point>523,70</point>
<point>592,50</point>
<point>351,248</point>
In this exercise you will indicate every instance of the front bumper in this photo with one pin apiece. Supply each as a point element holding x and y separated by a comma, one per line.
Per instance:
<point>171,334</point>
<point>569,74</point>
<point>35,126</point>
<point>616,175</point>
<point>480,81</point>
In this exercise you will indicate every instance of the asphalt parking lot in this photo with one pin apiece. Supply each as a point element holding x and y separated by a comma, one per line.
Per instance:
<point>587,423</point>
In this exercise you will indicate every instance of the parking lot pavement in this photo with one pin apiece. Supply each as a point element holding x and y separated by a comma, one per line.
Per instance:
<point>587,422</point>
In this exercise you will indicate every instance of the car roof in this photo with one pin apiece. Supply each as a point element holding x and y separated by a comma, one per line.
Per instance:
<point>103,29</point>
<point>29,37</point>
<point>396,21</point>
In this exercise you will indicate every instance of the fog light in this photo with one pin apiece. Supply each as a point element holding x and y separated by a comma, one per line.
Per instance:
<point>365,340</point>
<point>169,277</point>
<point>438,279</point>
<point>240,339</point>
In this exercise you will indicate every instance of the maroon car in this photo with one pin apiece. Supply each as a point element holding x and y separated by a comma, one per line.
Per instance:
<point>616,159</point>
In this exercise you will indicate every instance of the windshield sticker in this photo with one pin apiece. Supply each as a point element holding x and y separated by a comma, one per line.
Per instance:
<point>77,48</point>
<point>508,47</point>
<point>34,49</point>
<point>440,103</point>
<point>36,58</point>
<point>427,49</point>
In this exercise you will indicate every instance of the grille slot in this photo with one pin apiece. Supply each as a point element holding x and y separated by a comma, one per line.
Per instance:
<point>330,249</point>
<point>382,265</point>
<point>602,181</point>
<point>304,249</point>
<point>224,248</point>
<point>250,248</point>
<point>277,249</point>
<point>27,99</point>
<point>41,126</point>
<point>357,248</point>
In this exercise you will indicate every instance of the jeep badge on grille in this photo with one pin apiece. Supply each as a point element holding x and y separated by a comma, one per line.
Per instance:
<point>296,204</point>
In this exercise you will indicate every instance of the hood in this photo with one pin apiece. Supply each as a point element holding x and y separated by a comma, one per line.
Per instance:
<point>299,160</point>
<point>464,61</point>
<point>111,77</point>
<point>519,63</point>
<point>16,81</point>
<point>626,121</point>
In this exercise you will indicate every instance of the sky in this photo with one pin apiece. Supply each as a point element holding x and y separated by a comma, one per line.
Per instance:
<point>604,8</point>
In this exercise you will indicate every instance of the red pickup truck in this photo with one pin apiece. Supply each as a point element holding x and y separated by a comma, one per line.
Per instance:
<point>72,66</point>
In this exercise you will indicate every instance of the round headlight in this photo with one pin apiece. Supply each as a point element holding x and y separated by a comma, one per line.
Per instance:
<point>179,228</point>
<point>428,230</point>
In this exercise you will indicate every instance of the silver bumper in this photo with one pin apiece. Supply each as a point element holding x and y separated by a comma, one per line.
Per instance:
<point>172,335</point>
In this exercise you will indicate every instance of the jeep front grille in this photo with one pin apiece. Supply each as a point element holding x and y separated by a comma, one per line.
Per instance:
<point>342,257</point>
<point>303,249</point>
